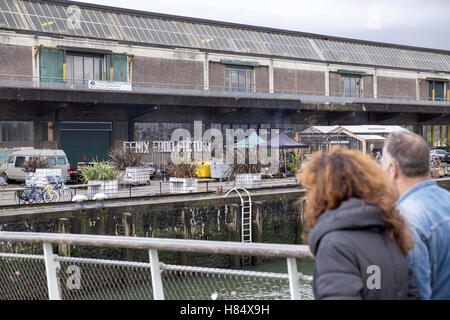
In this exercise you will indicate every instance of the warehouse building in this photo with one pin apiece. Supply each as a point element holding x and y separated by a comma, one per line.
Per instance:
<point>83,77</point>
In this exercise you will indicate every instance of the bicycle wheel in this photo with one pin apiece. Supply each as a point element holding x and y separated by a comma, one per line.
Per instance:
<point>18,197</point>
<point>52,197</point>
<point>66,194</point>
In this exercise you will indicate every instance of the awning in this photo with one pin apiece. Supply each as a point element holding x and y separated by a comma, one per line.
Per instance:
<point>252,140</point>
<point>240,63</point>
<point>284,142</point>
<point>351,72</point>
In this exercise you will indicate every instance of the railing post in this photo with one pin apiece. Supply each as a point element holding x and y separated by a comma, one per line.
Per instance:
<point>293,279</point>
<point>51,273</point>
<point>158,292</point>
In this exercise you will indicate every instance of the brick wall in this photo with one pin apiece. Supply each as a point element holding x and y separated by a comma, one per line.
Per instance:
<point>335,84</point>
<point>396,87</point>
<point>284,79</point>
<point>157,70</point>
<point>299,80</point>
<point>367,86</point>
<point>15,60</point>
<point>262,80</point>
<point>216,75</point>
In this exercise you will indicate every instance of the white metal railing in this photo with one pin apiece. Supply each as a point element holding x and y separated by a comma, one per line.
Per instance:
<point>141,279</point>
<point>9,80</point>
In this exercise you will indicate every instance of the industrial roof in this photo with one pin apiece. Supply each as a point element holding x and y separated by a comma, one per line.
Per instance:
<point>94,21</point>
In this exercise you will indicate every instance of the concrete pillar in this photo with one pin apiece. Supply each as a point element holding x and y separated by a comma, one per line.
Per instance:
<point>417,88</point>
<point>131,132</point>
<point>206,72</point>
<point>418,128</point>
<point>375,84</point>
<point>327,81</point>
<point>38,134</point>
<point>271,77</point>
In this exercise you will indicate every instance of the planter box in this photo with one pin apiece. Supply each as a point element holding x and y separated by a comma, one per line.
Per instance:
<point>183,185</point>
<point>136,175</point>
<point>110,188</point>
<point>218,169</point>
<point>39,177</point>
<point>248,180</point>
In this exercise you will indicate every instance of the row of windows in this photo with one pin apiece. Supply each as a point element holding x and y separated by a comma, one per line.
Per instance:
<point>54,18</point>
<point>18,131</point>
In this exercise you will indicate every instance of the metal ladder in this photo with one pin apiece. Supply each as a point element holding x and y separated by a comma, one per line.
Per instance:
<point>246,220</point>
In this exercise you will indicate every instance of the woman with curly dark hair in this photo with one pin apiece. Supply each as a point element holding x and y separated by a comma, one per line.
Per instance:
<point>359,239</point>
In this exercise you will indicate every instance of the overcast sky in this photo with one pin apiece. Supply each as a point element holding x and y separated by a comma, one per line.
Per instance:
<point>423,23</point>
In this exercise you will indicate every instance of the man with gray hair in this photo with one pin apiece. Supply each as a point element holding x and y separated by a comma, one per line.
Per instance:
<point>426,206</point>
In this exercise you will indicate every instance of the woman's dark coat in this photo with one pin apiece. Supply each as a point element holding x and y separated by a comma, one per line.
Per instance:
<point>356,259</point>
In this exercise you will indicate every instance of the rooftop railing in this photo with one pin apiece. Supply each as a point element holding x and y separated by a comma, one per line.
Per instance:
<point>21,81</point>
<point>56,277</point>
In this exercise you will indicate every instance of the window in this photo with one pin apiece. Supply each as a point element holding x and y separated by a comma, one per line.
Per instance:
<point>19,162</point>
<point>16,131</point>
<point>239,79</point>
<point>351,86</point>
<point>62,161</point>
<point>11,159</point>
<point>52,161</point>
<point>81,69</point>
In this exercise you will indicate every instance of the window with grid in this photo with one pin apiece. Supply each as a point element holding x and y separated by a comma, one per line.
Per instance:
<point>350,86</point>
<point>239,79</point>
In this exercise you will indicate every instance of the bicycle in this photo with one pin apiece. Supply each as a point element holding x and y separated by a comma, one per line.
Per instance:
<point>36,194</point>
<point>58,183</point>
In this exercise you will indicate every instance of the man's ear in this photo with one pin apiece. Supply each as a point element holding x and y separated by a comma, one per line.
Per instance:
<point>394,170</point>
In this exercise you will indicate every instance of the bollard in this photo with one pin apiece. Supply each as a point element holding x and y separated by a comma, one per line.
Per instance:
<point>79,201</point>
<point>160,190</point>
<point>100,200</point>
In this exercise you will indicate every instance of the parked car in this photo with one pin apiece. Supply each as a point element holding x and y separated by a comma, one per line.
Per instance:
<point>438,154</point>
<point>14,165</point>
<point>447,157</point>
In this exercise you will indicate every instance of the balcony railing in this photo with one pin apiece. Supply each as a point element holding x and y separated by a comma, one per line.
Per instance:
<point>55,277</point>
<point>21,81</point>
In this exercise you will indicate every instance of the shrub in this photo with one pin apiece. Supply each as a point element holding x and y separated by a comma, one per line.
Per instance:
<point>34,163</point>
<point>100,171</point>
<point>120,159</point>
<point>182,170</point>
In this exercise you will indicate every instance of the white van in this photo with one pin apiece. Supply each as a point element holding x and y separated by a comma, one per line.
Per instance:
<point>14,165</point>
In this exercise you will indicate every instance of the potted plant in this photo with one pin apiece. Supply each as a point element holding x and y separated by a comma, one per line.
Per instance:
<point>38,169</point>
<point>101,178</point>
<point>183,178</point>
<point>246,175</point>
<point>129,166</point>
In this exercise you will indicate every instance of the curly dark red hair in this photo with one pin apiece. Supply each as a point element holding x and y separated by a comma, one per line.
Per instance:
<point>342,174</point>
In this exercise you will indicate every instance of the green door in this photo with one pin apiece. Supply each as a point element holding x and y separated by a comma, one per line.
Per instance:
<point>438,87</point>
<point>120,64</point>
<point>51,65</point>
<point>83,142</point>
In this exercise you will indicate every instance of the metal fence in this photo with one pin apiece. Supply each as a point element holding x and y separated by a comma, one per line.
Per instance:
<point>49,276</point>
<point>23,81</point>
